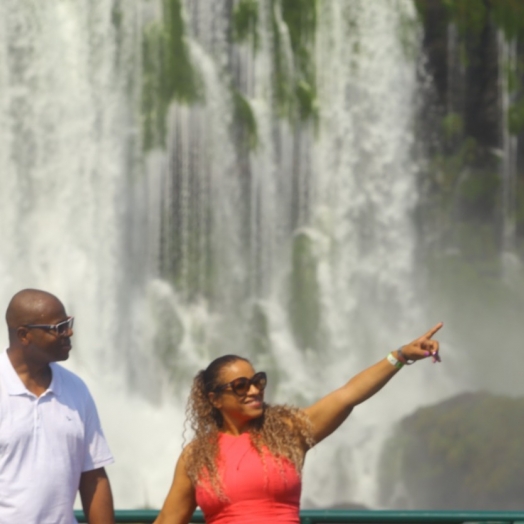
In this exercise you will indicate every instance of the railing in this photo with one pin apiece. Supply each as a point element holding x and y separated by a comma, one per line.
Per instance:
<point>315,516</point>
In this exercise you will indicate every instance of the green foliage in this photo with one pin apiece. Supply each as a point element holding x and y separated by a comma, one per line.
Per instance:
<point>512,79</point>
<point>446,167</point>
<point>465,452</point>
<point>480,188</point>
<point>300,17</point>
<point>307,102</point>
<point>407,31</point>
<point>509,16</point>
<point>463,186</point>
<point>282,75</point>
<point>516,117</point>
<point>168,72</point>
<point>422,8</point>
<point>452,126</point>
<point>294,76</point>
<point>245,22</point>
<point>246,121</point>
<point>180,78</point>
<point>470,16</point>
<point>154,107</point>
<point>304,307</point>
<point>463,181</point>
<point>514,74</point>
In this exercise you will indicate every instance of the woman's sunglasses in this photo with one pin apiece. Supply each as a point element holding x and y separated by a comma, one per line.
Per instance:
<point>240,386</point>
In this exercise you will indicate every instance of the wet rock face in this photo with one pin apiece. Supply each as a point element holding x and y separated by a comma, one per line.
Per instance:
<point>474,63</point>
<point>462,453</point>
<point>462,59</point>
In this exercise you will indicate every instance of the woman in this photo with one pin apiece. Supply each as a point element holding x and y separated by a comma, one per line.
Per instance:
<point>244,462</point>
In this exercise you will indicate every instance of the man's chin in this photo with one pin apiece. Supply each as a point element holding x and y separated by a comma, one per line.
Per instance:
<point>64,354</point>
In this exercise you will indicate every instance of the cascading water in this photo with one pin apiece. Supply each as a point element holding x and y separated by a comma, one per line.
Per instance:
<point>509,142</point>
<point>72,191</point>
<point>298,253</point>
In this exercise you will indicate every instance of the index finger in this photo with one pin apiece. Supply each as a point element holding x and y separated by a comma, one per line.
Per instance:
<point>433,330</point>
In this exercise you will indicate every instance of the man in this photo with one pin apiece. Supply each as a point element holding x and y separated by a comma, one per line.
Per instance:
<point>51,442</point>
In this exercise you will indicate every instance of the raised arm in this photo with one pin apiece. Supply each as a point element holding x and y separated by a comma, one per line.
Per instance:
<point>329,412</point>
<point>180,502</point>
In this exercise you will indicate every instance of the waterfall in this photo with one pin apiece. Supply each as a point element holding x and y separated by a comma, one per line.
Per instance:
<point>509,142</point>
<point>75,209</point>
<point>298,252</point>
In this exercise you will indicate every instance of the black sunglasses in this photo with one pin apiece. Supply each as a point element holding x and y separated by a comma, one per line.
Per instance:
<point>240,386</point>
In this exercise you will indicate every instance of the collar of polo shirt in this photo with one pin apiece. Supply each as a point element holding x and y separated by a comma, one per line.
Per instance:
<point>14,384</point>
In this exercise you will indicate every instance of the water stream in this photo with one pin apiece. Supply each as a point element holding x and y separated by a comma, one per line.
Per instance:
<point>172,257</point>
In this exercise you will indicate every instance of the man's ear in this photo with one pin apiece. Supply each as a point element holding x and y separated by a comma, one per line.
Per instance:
<point>214,399</point>
<point>23,335</point>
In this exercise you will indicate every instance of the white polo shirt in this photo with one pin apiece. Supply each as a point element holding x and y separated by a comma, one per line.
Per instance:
<point>46,443</point>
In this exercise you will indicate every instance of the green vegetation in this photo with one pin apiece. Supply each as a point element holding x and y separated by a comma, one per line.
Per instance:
<point>463,195</point>
<point>168,72</point>
<point>516,117</point>
<point>245,22</point>
<point>307,102</point>
<point>300,17</point>
<point>465,452</point>
<point>246,121</point>
<point>294,73</point>
<point>452,126</point>
<point>463,182</point>
<point>169,75</point>
<point>472,19</point>
<point>407,31</point>
<point>471,16</point>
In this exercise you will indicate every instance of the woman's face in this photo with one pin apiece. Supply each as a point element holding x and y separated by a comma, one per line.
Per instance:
<point>238,409</point>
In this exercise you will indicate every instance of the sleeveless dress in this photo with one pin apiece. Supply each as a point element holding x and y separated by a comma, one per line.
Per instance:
<point>258,492</point>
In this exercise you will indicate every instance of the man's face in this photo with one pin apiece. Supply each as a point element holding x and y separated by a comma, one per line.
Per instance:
<point>47,345</point>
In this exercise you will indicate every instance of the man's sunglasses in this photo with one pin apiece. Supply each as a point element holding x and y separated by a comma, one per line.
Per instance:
<point>240,386</point>
<point>58,329</point>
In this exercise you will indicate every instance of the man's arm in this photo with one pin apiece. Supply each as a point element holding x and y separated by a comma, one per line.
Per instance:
<point>97,500</point>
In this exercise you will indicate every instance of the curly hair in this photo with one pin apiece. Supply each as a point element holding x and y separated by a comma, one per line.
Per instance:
<point>283,430</point>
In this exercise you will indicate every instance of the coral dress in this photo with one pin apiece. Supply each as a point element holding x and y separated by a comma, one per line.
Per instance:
<point>258,492</point>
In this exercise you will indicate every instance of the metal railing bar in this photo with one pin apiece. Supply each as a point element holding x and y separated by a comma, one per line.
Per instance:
<point>315,516</point>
